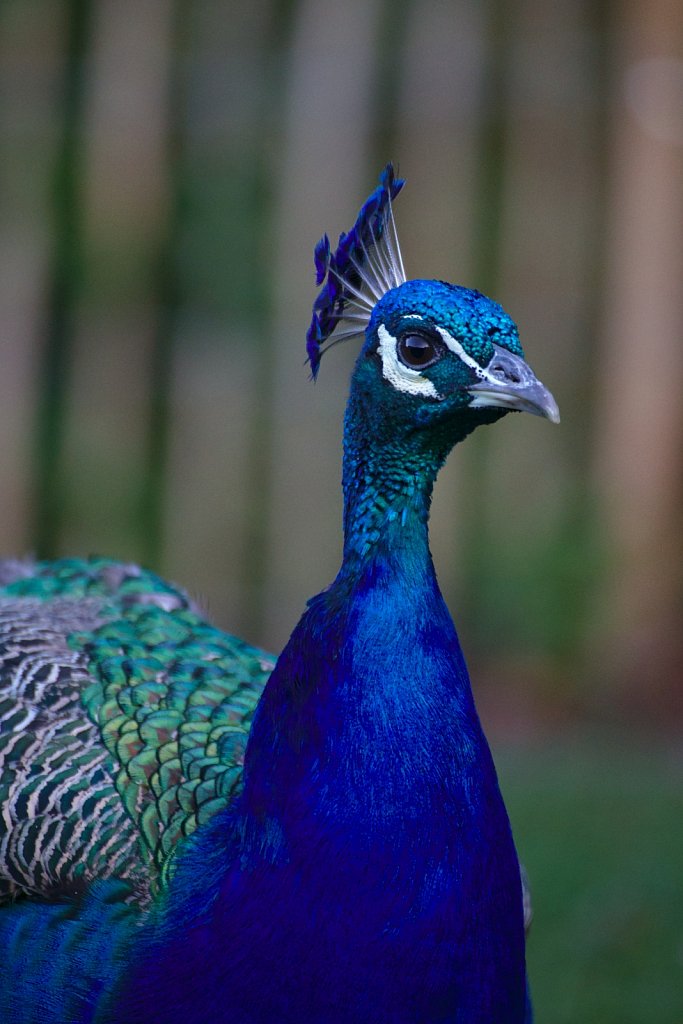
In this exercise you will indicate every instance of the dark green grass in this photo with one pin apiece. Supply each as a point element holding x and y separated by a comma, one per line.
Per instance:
<point>599,826</point>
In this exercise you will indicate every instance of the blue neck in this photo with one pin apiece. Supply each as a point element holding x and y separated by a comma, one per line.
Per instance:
<point>369,856</point>
<point>387,482</point>
<point>374,665</point>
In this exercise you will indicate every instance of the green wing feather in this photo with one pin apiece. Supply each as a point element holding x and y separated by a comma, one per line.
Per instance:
<point>133,738</point>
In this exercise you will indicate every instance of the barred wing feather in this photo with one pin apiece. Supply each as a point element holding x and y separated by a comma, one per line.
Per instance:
<point>123,722</point>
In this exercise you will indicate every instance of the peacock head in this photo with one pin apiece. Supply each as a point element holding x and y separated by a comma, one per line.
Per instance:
<point>434,352</point>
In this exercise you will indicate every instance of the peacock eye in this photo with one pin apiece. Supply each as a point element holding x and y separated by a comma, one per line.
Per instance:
<point>418,351</point>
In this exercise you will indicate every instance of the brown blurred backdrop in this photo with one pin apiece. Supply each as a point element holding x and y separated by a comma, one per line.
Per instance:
<point>167,167</point>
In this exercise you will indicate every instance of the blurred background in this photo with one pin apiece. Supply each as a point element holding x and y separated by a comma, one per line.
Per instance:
<point>166,169</point>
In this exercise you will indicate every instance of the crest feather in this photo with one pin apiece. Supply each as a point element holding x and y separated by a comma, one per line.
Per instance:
<point>365,265</point>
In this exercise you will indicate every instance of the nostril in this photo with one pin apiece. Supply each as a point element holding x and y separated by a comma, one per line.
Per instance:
<point>502,371</point>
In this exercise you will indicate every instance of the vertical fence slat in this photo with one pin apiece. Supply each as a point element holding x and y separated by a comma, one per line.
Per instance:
<point>167,286</point>
<point>322,180</point>
<point>66,271</point>
<point>31,59</point>
<point>252,570</point>
<point>125,208</point>
<point>217,501</point>
<point>639,409</point>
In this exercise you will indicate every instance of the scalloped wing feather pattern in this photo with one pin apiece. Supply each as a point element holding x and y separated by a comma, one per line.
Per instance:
<point>123,722</point>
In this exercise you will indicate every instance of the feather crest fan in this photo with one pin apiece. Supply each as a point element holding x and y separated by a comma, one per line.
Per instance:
<point>366,265</point>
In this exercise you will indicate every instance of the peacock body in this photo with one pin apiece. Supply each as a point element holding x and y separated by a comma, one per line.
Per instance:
<point>191,832</point>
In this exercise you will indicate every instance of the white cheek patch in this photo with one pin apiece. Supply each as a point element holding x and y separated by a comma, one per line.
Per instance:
<point>399,376</point>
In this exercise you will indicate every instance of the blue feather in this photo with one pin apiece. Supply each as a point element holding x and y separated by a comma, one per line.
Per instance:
<point>346,270</point>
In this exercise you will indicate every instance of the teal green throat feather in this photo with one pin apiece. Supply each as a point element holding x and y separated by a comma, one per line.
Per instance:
<point>191,831</point>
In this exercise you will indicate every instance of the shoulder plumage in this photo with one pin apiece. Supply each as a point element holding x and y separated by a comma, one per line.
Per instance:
<point>125,716</point>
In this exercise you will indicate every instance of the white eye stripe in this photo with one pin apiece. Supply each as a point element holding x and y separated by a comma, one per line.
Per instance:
<point>403,378</point>
<point>412,382</point>
<point>457,349</point>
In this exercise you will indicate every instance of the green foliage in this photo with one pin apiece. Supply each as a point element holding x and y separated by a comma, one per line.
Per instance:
<point>224,269</point>
<point>538,587</point>
<point>597,825</point>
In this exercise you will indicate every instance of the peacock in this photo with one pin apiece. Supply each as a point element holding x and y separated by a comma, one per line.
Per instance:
<point>193,832</point>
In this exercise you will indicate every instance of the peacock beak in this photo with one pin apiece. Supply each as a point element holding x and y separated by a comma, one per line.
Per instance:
<point>509,383</point>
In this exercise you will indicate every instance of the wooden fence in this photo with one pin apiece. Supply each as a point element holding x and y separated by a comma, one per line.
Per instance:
<point>167,168</point>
